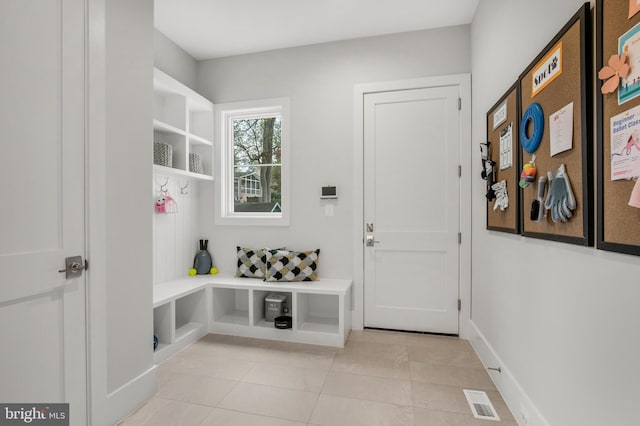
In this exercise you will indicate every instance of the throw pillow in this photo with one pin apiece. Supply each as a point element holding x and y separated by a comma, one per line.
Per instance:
<point>251,263</point>
<point>283,265</point>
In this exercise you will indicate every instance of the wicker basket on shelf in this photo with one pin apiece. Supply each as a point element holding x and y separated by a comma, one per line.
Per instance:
<point>163,154</point>
<point>195,163</point>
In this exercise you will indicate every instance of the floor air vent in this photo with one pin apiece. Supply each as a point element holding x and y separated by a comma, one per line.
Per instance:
<point>480,405</point>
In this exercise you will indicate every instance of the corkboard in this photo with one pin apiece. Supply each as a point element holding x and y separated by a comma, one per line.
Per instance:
<point>572,85</point>
<point>509,219</point>
<point>618,223</point>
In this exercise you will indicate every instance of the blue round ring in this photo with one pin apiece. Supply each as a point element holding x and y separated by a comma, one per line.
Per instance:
<point>533,113</point>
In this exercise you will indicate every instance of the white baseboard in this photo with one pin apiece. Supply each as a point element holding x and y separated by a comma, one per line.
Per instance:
<point>124,400</point>
<point>521,406</point>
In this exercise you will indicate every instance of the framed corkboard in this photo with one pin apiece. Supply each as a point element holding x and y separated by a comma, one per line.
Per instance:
<point>618,223</point>
<point>558,80</point>
<point>502,126</point>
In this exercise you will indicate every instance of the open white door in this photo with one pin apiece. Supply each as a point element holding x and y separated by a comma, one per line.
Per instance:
<point>411,209</point>
<point>42,120</point>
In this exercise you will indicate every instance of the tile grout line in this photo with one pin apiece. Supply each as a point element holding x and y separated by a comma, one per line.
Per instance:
<point>413,406</point>
<point>314,408</point>
<point>372,376</point>
<point>320,392</point>
<point>258,415</point>
<point>277,388</point>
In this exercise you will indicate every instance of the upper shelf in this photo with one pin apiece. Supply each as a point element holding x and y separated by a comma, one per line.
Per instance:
<point>163,127</point>
<point>199,140</point>
<point>179,172</point>
<point>160,126</point>
<point>183,119</point>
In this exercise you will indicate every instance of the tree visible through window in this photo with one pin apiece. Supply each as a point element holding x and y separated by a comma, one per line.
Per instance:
<point>257,164</point>
<point>254,163</point>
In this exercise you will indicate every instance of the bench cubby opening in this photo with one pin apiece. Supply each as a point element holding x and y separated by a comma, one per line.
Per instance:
<point>259,306</point>
<point>163,326</point>
<point>190,314</point>
<point>318,312</point>
<point>231,306</point>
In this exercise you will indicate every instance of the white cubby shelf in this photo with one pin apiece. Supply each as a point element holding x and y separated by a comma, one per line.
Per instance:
<point>183,119</point>
<point>186,309</point>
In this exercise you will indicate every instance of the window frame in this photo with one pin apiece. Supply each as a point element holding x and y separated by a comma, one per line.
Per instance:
<point>225,115</point>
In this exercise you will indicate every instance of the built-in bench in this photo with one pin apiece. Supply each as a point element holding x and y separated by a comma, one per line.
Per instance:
<point>186,309</point>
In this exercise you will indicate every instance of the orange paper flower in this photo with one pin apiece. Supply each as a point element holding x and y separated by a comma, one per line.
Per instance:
<point>617,69</point>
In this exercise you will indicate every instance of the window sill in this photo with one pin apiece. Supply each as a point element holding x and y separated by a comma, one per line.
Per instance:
<point>252,220</point>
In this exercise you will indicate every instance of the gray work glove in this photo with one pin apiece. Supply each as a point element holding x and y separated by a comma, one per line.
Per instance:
<point>560,200</point>
<point>502,199</point>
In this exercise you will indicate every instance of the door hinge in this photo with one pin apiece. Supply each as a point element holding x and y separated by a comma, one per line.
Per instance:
<point>459,104</point>
<point>459,305</point>
<point>459,237</point>
<point>459,170</point>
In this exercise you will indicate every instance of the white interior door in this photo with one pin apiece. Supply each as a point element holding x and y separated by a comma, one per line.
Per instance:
<point>42,113</point>
<point>411,209</point>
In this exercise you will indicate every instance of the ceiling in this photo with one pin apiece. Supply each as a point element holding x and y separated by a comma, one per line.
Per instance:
<point>209,29</point>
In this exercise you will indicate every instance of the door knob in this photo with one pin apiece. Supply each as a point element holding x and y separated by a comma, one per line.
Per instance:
<point>370,241</point>
<point>74,266</point>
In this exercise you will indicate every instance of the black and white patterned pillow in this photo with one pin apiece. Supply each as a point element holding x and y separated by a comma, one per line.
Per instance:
<point>251,262</point>
<point>284,265</point>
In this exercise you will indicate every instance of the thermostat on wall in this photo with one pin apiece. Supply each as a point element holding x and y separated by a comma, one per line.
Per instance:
<point>329,193</point>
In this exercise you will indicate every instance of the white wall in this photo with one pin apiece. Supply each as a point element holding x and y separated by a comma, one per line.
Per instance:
<point>561,319</point>
<point>170,58</point>
<point>128,208</point>
<point>319,80</point>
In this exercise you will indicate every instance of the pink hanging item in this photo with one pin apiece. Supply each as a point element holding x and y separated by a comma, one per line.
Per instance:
<point>165,204</point>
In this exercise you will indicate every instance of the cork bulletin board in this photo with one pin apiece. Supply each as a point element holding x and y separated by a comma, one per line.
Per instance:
<point>503,120</point>
<point>618,223</point>
<point>560,79</point>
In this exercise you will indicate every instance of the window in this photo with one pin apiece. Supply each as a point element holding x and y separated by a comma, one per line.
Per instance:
<point>254,184</point>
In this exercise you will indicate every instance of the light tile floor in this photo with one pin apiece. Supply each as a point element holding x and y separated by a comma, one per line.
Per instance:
<point>379,378</point>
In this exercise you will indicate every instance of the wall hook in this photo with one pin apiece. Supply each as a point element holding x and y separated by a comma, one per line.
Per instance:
<point>182,188</point>
<point>163,187</point>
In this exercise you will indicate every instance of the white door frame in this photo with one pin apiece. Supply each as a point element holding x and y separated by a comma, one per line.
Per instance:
<point>360,90</point>
<point>96,206</point>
